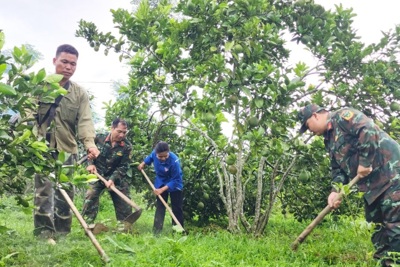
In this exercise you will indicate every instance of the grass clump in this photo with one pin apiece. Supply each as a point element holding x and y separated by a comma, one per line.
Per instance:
<point>333,243</point>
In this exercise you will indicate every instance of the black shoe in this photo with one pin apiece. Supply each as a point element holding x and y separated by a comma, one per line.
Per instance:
<point>389,263</point>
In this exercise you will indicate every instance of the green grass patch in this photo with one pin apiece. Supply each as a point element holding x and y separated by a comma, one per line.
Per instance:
<point>332,243</point>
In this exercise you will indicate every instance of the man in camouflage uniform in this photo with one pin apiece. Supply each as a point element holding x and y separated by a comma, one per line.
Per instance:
<point>61,123</point>
<point>357,146</point>
<point>112,164</point>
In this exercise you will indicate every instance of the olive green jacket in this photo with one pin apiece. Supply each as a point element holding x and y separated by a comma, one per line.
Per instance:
<point>73,119</point>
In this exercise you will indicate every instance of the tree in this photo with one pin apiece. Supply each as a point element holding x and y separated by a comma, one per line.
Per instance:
<point>226,61</point>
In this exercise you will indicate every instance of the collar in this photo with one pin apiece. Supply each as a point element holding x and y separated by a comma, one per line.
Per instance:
<point>329,129</point>
<point>329,126</point>
<point>108,139</point>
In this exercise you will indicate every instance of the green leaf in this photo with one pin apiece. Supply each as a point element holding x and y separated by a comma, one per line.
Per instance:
<point>2,39</point>
<point>120,246</point>
<point>3,68</point>
<point>53,78</point>
<point>63,178</point>
<point>61,156</point>
<point>7,90</point>
<point>221,117</point>
<point>79,178</point>
<point>37,168</point>
<point>37,154</point>
<point>4,135</point>
<point>62,91</point>
<point>246,91</point>
<point>40,146</point>
<point>91,180</point>
<point>40,76</point>
<point>259,102</point>
<point>92,176</point>
<point>10,255</point>
<point>229,45</point>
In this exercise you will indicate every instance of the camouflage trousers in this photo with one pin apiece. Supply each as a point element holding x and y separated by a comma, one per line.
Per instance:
<point>52,213</point>
<point>385,213</point>
<point>91,204</point>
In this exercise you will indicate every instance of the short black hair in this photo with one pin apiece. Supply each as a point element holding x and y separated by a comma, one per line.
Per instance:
<point>161,147</point>
<point>117,121</point>
<point>66,48</point>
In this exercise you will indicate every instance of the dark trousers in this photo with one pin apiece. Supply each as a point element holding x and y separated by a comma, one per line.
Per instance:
<point>176,206</point>
<point>52,212</point>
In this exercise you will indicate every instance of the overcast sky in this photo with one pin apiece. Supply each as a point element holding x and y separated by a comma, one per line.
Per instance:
<point>45,24</point>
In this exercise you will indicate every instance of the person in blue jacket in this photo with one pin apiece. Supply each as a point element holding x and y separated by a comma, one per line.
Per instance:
<point>168,182</point>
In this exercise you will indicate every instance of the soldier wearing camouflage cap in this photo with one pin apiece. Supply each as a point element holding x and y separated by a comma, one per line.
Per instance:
<point>357,146</point>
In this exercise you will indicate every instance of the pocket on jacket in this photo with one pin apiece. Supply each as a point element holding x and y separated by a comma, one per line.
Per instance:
<point>69,113</point>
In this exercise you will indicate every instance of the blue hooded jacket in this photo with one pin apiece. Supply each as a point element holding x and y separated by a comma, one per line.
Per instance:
<point>168,173</point>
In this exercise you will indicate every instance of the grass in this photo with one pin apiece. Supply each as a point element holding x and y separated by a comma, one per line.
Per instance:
<point>342,243</point>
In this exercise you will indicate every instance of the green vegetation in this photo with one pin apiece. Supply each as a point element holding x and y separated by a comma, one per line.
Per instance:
<point>222,59</point>
<point>198,65</point>
<point>334,243</point>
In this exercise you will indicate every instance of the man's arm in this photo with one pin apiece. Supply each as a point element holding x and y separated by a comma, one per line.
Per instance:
<point>147,161</point>
<point>86,132</point>
<point>368,136</point>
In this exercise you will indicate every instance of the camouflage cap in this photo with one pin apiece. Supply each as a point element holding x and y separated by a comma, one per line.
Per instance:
<point>305,114</point>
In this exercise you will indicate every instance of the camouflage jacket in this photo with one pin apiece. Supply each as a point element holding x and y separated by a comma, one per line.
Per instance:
<point>353,139</point>
<point>113,162</point>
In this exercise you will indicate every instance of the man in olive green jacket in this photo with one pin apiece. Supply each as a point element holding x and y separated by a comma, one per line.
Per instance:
<point>59,123</point>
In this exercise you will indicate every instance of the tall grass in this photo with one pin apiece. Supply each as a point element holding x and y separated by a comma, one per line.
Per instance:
<point>333,243</point>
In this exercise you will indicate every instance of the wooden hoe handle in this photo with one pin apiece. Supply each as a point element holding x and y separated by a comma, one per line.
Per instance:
<point>113,188</point>
<point>119,193</point>
<point>163,201</point>
<point>320,216</point>
<point>89,233</point>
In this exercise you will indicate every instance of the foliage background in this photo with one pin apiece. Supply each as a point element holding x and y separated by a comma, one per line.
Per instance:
<point>198,68</point>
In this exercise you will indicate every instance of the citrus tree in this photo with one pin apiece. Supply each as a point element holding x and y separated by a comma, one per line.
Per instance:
<point>221,69</point>
<point>218,63</point>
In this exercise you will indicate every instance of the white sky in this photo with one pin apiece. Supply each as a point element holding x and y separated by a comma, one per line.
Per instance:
<point>372,17</point>
<point>45,24</point>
